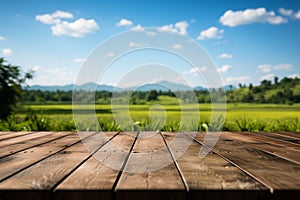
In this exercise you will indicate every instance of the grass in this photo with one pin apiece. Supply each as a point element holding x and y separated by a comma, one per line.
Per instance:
<point>239,117</point>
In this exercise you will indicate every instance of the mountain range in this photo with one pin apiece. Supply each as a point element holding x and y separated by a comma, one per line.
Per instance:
<point>162,85</point>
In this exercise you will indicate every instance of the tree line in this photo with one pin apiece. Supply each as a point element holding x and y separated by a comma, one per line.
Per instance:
<point>285,91</point>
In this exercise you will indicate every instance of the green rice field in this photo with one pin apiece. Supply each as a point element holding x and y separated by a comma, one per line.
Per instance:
<point>166,117</point>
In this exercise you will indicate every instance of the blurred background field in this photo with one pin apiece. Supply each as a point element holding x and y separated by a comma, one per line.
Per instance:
<point>238,117</point>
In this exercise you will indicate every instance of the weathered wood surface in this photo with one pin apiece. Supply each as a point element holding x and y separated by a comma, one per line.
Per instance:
<point>149,165</point>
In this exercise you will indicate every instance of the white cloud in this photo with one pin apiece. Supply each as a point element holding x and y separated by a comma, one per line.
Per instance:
<point>138,28</point>
<point>240,79</point>
<point>177,46</point>
<point>285,12</point>
<point>54,18</point>
<point>2,38</point>
<point>55,76</point>
<point>79,60</point>
<point>124,22</point>
<point>266,68</point>
<point>7,52</point>
<point>110,54</point>
<point>249,16</point>
<point>47,19</point>
<point>62,15</point>
<point>297,15</point>
<point>36,68</point>
<point>182,26</point>
<point>224,68</point>
<point>283,67</point>
<point>267,77</point>
<point>134,44</point>
<point>225,56</point>
<point>179,27</point>
<point>78,28</point>
<point>211,33</point>
<point>196,70</point>
<point>290,13</point>
<point>167,28</point>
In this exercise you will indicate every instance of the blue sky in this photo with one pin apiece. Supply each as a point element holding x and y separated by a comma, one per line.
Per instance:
<point>247,40</point>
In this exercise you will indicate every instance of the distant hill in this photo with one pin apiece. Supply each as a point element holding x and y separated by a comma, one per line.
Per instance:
<point>199,88</point>
<point>51,88</point>
<point>163,86</point>
<point>69,87</point>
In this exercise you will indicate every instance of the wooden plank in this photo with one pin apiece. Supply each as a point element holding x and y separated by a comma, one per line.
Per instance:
<point>279,137</point>
<point>289,152</point>
<point>20,145</point>
<point>17,162</point>
<point>8,135</point>
<point>99,173</point>
<point>290,134</point>
<point>45,175</point>
<point>23,138</point>
<point>274,172</point>
<point>209,173</point>
<point>261,139</point>
<point>211,177</point>
<point>150,166</point>
<point>5,132</point>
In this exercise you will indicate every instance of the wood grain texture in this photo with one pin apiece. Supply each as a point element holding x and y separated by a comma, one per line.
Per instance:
<point>289,134</point>
<point>101,170</point>
<point>289,152</point>
<point>110,165</point>
<point>272,171</point>
<point>150,166</point>
<point>14,145</point>
<point>24,138</point>
<point>18,161</point>
<point>99,173</point>
<point>211,172</point>
<point>250,138</point>
<point>280,137</point>
<point>47,173</point>
<point>8,135</point>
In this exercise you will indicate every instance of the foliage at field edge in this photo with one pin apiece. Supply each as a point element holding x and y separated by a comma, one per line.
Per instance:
<point>34,122</point>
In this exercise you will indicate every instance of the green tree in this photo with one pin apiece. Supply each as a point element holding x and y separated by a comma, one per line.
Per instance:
<point>266,84</point>
<point>250,86</point>
<point>152,95</point>
<point>11,82</point>
<point>276,80</point>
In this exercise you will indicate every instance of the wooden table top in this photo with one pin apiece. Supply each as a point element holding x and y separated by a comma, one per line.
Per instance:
<point>149,165</point>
